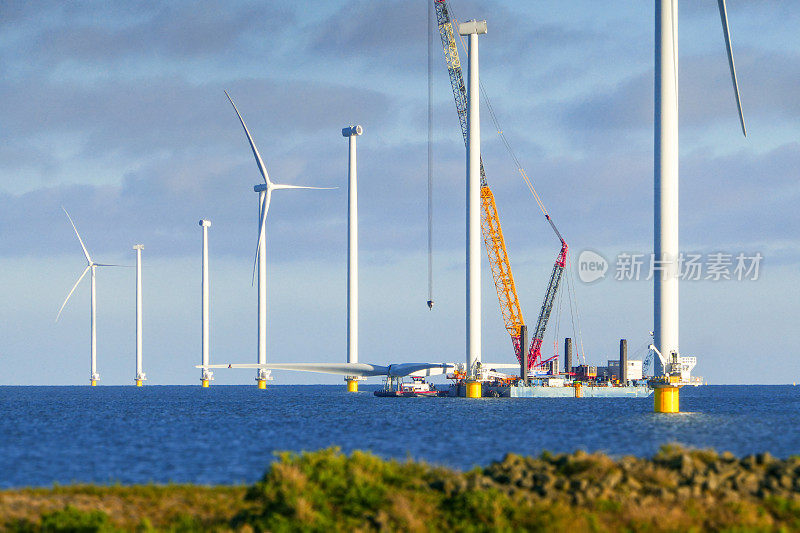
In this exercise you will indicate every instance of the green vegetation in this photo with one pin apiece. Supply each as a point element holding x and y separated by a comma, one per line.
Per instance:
<point>677,490</point>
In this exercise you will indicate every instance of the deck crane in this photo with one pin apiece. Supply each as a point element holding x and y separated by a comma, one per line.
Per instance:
<point>490,220</point>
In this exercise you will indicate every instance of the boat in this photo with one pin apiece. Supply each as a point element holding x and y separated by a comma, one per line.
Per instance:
<point>416,388</point>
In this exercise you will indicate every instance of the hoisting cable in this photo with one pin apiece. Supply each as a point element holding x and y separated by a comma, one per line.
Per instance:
<point>572,316</point>
<point>571,287</point>
<point>558,322</point>
<point>430,156</point>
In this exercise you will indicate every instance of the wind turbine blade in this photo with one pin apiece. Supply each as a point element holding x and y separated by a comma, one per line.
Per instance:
<point>262,223</point>
<point>111,265</point>
<point>259,161</point>
<point>281,186</point>
<point>345,369</point>
<point>85,270</point>
<point>85,251</point>
<point>723,15</point>
<point>406,369</point>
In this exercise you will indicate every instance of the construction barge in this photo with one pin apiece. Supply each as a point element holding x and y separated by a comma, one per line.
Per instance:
<point>620,378</point>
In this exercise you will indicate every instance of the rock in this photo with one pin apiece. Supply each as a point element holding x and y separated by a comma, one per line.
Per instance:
<point>687,466</point>
<point>612,479</point>
<point>764,458</point>
<point>728,457</point>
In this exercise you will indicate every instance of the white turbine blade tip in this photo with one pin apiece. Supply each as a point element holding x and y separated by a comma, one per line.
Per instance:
<point>83,246</point>
<point>723,15</point>
<point>260,162</point>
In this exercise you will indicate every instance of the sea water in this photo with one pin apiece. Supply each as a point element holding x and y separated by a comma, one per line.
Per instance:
<point>229,434</point>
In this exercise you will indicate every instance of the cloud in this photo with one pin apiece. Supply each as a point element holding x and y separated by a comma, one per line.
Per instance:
<point>113,34</point>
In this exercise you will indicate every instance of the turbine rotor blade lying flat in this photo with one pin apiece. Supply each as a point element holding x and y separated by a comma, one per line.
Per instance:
<point>85,251</point>
<point>85,270</point>
<point>259,161</point>
<point>723,15</point>
<point>406,369</point>
<point>345,369</point>
<point>281,186</point>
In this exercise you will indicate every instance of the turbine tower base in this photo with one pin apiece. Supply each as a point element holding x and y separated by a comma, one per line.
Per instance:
<point>474,389</point>
<point>206,383</point>
<point>139,383</point>
<point>93,382</point>
<point>666,399</point>
<point>352,385</point>
<point>262,383</point>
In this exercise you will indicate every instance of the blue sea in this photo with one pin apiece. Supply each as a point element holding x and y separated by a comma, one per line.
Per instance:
<point>229,434</point>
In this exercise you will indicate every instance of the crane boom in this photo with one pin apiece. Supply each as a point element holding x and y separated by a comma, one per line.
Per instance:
<point>490,220</point>
<point>535,357</point>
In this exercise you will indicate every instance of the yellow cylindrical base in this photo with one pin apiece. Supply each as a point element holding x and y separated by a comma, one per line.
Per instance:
<point>205,383</point>
<point>578,389</point>
<point>474,389</point>
<point>666,400</point>
<point>94,383</point>
<point>262,384</point>
<point>139,382</point>
<point>352,385</point>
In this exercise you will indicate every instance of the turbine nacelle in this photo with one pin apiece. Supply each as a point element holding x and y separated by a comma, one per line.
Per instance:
<point>352,131</point>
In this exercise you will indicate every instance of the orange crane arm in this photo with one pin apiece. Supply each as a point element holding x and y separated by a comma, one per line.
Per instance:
<point>490,220</point>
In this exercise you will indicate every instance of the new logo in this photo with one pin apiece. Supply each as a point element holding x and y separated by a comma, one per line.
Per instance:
<point>591,266</point>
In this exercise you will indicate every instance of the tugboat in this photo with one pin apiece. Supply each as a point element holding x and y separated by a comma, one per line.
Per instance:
<point>417,388</point>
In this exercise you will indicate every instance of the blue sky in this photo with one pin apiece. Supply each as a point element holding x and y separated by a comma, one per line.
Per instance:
<point>116,111</point>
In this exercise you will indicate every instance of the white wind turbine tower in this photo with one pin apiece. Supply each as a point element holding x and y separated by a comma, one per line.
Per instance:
<point>205,343</point>
<point>140,375</point>
<point>666,188</point>
<point>90,266</point>
<point>264,191</point>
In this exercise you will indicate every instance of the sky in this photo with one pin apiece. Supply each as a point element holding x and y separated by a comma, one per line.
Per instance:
<point>116,111</point>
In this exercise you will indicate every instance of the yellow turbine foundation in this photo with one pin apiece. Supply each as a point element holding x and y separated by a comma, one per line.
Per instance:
<point>205,383</point>
<point>262,384</point>
<point>352,385</point>
<point>139,383</point>
<point>666,400</point>
<point>94,383</point>
<point>474,389</point>
<point>578,389</point>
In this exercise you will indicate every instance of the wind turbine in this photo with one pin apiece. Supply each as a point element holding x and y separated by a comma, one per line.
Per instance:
<point>665,308</point>
<point>264,191</point>
<point>90,266</point>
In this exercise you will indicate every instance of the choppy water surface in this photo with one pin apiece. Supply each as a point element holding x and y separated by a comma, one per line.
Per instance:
<point>228,434</point>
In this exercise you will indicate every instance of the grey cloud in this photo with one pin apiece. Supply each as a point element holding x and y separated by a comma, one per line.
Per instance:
<point>120,32</point>
<point>767,83</point>
<point>138,122</point>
